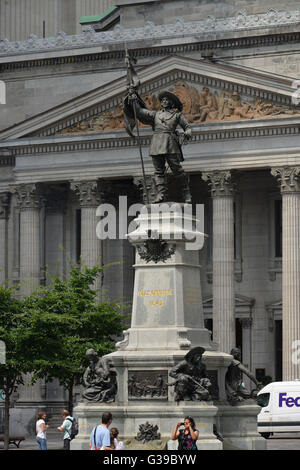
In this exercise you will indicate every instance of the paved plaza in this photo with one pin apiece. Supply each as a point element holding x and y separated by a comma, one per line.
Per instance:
<point>286,441</point>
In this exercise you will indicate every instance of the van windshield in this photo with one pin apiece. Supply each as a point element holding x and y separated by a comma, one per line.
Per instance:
<point>263,399</point>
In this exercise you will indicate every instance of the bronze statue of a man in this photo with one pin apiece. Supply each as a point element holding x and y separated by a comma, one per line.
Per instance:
<point>191,379</point>
<point>165,146</point>
<point>235,390</point>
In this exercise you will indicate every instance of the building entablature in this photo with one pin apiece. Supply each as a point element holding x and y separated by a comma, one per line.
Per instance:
<point>209,29</point>
<point>241,119</point>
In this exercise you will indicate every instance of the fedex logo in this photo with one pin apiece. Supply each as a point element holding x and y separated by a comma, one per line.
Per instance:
<point>288,401</point>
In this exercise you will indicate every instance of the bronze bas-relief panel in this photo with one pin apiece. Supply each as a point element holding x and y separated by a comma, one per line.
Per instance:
<point>199,105</point>
<point>145,385</point>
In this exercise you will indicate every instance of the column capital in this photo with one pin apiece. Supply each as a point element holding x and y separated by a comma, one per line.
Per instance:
<point>246,322</point>
<point>28,195</point>
<point>288,177</point>
<point>220,182</point>
<point>4,205</point>
<point>87,192</point>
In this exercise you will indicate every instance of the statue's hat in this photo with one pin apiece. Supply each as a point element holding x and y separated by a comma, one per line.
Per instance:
<point>175,100</point>
<point>194,352</point>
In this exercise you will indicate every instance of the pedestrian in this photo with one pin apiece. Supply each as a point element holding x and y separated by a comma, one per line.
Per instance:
<point>41,431</point>
<point>66,427</point>
<point>100,435</point>
<point>188,436</point>
<point>118,445</point>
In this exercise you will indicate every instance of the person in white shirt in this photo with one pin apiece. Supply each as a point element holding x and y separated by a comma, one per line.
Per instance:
<point>41,431</point>
<point>118,445</point>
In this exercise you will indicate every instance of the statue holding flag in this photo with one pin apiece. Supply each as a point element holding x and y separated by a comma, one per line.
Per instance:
<point>165,146</point>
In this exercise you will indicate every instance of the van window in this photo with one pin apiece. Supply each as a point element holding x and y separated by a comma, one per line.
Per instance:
<point>263,399</point>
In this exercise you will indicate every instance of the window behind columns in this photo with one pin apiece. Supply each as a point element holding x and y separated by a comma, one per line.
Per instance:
<point>239,335</point>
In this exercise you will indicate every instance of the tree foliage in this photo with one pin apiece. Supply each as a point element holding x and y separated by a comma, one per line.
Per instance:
<point>63,320</point>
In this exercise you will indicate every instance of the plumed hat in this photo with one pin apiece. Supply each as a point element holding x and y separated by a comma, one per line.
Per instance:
<point>175,100</point>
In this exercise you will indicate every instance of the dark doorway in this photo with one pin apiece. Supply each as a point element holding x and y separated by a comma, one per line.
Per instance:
<point>239,335</point>
<point>278,350</point>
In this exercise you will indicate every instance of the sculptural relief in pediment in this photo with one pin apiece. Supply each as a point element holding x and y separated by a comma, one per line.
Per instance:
<point>200,105</point>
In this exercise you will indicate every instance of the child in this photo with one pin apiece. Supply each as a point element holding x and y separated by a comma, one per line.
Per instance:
<point>118,445</point>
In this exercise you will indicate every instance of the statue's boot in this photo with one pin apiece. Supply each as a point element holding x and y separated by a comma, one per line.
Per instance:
<point>160,185</point>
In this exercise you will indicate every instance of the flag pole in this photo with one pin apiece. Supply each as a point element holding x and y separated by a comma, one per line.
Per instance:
<point>131,84</point>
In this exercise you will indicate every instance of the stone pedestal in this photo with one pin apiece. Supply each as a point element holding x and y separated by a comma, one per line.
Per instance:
<point>238,426</point>
<point>167,321</point>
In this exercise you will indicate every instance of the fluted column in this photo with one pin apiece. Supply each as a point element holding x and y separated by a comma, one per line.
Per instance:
<point>4,209</point>
<point>91,247</point>
<point>222,193</point>
<point>289,179</point>
<point>29,200</point>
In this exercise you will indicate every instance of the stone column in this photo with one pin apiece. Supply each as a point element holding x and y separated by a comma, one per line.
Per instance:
<point>222,193</point>
<point>91,247</point>
<point>4,209</point>
<point>289,179</point>
<point>29,200</point>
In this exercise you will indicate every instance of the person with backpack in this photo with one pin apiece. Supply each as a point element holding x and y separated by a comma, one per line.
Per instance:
<point>69,427</point>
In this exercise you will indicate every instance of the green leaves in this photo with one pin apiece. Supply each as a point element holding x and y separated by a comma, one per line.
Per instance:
<point>48,332</point>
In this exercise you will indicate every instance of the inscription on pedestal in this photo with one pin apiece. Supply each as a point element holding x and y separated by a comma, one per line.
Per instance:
<point>145,385</point>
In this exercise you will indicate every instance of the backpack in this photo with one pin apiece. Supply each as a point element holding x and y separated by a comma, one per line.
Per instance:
<point>74,428</point>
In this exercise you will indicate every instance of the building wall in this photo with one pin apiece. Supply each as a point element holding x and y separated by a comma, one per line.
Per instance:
<point>19,18</point>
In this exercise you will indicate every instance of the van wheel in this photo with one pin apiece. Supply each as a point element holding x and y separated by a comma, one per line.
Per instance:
<point>266,435</point>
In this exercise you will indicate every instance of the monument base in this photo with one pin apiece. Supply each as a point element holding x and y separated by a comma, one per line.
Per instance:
<point>238,426</point>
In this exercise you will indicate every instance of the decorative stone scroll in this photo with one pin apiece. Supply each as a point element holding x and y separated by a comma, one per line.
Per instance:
<point>28,196</point>
<point>147,432</point>
<point>199,106</point>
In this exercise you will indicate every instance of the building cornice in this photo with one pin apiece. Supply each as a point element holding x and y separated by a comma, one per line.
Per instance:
<point>218,131</point>
<point>241,30</point>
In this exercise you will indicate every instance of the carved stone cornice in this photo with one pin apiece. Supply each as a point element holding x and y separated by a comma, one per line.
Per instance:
<point>28,196</point>
<point>202,29</point>
<point>87,192</point>
<point>220,182</point>
<point>288,177</point>
<point>4,205</point>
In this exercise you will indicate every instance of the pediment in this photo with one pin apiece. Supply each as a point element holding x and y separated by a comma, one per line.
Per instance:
<point>210,92</point>
<point>243,306</point>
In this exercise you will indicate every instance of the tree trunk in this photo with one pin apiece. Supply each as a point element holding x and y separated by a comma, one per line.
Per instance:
<point>6,413</point>
<point>70,391</point>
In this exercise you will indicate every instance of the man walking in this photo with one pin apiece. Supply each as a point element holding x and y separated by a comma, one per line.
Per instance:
<point>100,435</point>
<point>66,427</point>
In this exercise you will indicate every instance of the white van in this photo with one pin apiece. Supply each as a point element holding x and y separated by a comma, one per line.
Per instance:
<point>280,412</point>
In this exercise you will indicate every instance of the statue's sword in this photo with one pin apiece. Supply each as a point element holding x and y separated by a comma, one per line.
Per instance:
<point>130,84</point>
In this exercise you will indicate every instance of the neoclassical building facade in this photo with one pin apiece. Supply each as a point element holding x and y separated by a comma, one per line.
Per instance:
<point>64,150</point>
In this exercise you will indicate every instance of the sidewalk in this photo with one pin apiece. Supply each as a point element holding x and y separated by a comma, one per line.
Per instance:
<point>53,443</point>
